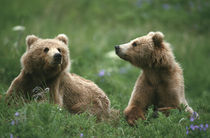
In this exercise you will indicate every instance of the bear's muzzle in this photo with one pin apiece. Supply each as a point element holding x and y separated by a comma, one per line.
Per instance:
<point>57,58</point>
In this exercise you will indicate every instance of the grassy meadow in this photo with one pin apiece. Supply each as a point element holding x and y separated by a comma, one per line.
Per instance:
<point>94,27</point>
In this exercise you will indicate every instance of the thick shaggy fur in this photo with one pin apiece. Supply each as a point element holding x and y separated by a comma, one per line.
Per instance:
<point>80,95</point>
<point>41,67</point>
<point>161,82</point>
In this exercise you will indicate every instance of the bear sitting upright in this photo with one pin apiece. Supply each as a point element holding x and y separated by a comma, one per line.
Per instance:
<point>46,64</point>
<point>161,82</point>
<point>42,66</point>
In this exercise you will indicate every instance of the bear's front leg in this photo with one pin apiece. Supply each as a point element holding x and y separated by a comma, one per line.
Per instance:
<point>132,113</point>
<point>58,98</point>
<point>141,97</point>
<point>16,89</point>
<point>55,94</point>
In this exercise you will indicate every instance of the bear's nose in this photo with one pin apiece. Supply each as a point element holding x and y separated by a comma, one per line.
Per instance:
<point>117,48</point>
<point>57,57</point>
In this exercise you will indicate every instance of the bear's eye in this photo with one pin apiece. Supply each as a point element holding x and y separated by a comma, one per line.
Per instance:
<point>134,44</point>
<point>59,49</point>
<point>46,50</point>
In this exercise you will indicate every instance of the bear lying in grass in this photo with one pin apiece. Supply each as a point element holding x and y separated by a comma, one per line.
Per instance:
<point>161,82</point>
<point>46,64</point>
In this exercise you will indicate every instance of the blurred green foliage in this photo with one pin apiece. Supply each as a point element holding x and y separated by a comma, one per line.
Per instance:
<point>94,27</point>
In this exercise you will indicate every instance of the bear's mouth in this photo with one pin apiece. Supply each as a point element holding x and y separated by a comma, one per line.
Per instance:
<point>123,56</point>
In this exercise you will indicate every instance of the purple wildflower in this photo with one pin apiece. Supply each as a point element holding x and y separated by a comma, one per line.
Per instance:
<point>200,128</point>
<point>192,119</point>
<point>206,126</point>
<point>187,132</point>
<point>81,135</point>
<point>17,114</point>
<point>11,135</point>
<point>166,6</point>
<point>196,126</point>
<point>101,73</point>
<point>13,123</point>
<point>204,129</point>
<point>194,116</point>
<point>192,127</point>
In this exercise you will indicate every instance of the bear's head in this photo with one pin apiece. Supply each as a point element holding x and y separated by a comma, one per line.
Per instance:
<point>147,51</point>
<point>47,57</point>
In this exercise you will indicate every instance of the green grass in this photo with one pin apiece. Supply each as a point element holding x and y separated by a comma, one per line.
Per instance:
<point>94,27</point>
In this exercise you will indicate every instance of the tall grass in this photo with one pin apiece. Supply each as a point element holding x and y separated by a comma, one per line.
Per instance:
<point>94,28</point>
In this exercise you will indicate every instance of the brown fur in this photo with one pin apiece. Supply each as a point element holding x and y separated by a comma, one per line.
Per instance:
<point>39,68</point>
<point>80,95</point>
<point>161,82</point>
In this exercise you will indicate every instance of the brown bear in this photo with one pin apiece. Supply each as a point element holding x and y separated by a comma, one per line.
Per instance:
<point>161,82</point>
<point>42,65</point>
<point>46,64</point>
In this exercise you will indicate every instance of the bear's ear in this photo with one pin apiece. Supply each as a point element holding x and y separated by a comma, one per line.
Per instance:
<point>30,39</point>
<point>158,38</point>
<point>150,33</point>
<point>63,38</point>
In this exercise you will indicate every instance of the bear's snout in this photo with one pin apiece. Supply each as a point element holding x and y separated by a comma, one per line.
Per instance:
<point>117,49</point>
<point>57,58</point>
